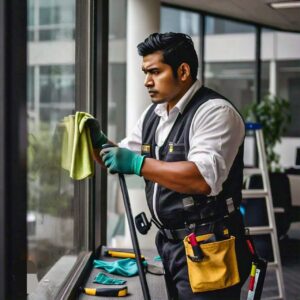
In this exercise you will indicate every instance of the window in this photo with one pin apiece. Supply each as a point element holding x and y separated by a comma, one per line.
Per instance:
<point>222,26</point>
<point>288,88</point>
<point>178,20</point>
<point>229,60</point>
<point>281,75</point>
<point>222,76</point>
<point>51,20</point>
<point>56,217</point>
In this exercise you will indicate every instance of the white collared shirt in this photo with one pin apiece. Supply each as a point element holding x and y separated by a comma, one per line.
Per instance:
<point>217,130</point>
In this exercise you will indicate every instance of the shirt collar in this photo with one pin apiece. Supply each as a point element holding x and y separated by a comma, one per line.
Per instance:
<point>161,109</point>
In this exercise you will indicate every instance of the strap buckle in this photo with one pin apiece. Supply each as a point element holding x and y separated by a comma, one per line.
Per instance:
<point>169,234</point>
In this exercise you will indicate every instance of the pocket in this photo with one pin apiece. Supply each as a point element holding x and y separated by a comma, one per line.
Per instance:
<point>217,270</point>
<point>176,152</point>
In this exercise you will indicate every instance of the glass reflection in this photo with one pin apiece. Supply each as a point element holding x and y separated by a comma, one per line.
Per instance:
<point>51,214</point>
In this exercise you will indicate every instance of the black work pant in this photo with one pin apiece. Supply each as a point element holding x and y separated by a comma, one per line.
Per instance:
<point>176,272</point>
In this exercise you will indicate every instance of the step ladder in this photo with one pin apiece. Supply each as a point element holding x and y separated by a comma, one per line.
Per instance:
<point>266,194</point>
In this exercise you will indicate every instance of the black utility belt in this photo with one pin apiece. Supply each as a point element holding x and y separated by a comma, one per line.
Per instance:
<point>181,233</point>
<point>211,210</point>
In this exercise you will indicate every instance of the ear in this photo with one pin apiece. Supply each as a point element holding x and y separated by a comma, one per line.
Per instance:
<point>184,71</point>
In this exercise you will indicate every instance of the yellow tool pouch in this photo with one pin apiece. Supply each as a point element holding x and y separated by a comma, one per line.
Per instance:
<point>217,269</point>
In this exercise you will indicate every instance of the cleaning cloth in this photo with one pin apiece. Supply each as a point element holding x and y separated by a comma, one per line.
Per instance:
<point>126,267</point>
<point>77,147</point>
<point>104,279</point>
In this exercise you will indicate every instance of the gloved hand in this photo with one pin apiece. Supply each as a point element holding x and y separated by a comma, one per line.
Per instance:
<point>98,138</point>
<point>122,160</point>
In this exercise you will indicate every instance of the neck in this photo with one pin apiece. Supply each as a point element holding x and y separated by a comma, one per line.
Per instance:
<point>184,89</point>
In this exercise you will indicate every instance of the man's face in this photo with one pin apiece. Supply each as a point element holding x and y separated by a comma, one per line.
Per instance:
<point>159,80</point>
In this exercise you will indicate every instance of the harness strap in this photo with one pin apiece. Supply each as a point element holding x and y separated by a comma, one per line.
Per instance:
<point>198,211</point>
<point>201,228</point>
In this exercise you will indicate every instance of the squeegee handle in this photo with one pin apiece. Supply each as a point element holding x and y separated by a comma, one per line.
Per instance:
<point>134,238</point>
<point>133,234</point>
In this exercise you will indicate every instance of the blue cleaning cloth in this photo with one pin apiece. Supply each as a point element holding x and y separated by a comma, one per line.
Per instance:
<point>104,279</point>
<point>126,267</point>
<point>157,258</point>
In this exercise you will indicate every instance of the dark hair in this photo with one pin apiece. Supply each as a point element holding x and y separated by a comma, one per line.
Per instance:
<point>177,48</point>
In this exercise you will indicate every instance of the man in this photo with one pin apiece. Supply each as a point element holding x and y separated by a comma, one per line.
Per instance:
<point>188,146</point>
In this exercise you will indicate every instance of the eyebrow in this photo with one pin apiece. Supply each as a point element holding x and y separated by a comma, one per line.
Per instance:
<point>149,69</point>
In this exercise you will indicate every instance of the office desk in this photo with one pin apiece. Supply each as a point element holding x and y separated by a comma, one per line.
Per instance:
<point>294,179</point>
<point>295,189</point>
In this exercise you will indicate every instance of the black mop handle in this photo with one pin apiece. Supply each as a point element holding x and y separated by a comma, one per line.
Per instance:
<point>134,238</point>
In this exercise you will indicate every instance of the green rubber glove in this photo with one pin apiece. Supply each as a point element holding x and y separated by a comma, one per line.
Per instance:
<point>122,160</point>
<point>124,267</point>
<point>98,138</point>
<point>104,279</point>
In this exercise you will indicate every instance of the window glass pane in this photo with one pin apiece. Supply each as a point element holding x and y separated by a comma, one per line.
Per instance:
<point>222,26</point>
<point>289,88</point>
<point>223,76</point>
<point>229,60</point>
<point>57,84</point>
<point>54,228</point>
<point>51,20</point>
<point>31,19</point>
<point>178,20</point>
<point>116,111</point>
<point>281,51</point>
<point>265,78</point>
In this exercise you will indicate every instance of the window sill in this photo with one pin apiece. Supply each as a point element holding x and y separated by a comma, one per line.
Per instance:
<point>63,278</point>
<point>156,283</point>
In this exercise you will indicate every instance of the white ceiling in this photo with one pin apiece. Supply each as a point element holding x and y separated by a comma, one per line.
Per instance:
<point>256,11</point>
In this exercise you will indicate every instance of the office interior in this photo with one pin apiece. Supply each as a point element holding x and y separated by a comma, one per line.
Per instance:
<point>59,57</point>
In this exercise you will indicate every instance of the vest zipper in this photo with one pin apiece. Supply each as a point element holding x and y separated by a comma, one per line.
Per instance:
<point>154,199</point>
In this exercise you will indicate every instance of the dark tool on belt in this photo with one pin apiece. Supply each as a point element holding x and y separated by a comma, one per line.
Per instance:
<point>133,234</point>
<point>197,253</point>
<point>258,271</point>
<point>142,224</point>
<point>113,292</point>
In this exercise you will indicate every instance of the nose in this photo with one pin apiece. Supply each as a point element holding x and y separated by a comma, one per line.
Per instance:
<point>148,80</point>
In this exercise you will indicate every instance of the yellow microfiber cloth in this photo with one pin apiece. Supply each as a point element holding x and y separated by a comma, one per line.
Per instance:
<point>77,147</point>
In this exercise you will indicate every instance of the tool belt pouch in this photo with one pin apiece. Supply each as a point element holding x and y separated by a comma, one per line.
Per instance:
<point>218,267</point>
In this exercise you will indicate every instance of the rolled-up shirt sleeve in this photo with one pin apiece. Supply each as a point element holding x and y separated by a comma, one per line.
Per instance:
<point>216,133</point>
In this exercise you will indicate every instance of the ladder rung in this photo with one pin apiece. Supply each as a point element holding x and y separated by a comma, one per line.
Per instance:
<point>279,209</point>
<point>254,193</point>
<point>252,171</point>
<point>272,265</point>
<point>260,230</point>
<point>273,298</point>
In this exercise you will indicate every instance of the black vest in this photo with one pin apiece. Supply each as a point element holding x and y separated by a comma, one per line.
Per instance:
<point>168,205</point>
